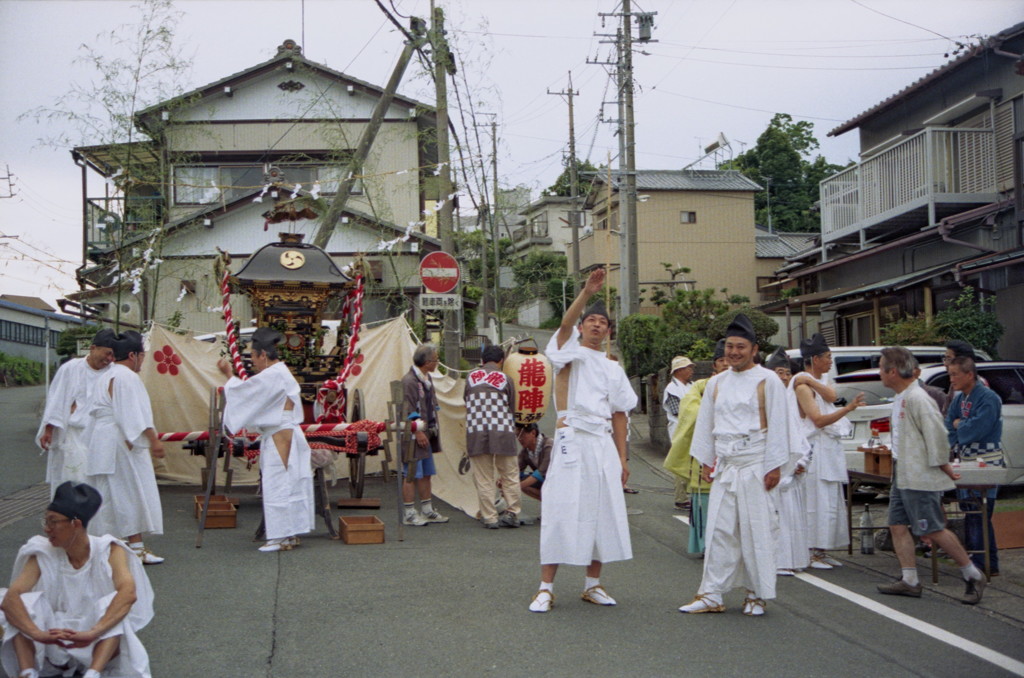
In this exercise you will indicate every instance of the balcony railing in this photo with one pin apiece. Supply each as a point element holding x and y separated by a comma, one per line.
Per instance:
<point>111,220</point>
<point>935,166</point>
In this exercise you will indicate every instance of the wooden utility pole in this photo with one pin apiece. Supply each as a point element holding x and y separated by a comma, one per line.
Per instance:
<point>329,220</point>
<point>631,261</point>
<point>444,66</point>
<point>494,232</point>
<point>573,187</point>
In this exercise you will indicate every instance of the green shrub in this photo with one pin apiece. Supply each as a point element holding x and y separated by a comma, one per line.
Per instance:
<point>15,371</point>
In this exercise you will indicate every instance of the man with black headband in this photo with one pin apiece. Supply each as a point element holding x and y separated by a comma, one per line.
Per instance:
<point>583,515</point>
<point>122,442</point>
<point>76,601</point>
<point>823,425</point>
<point>742,438</point>
<point>268,402</point>
<point>62,430</point>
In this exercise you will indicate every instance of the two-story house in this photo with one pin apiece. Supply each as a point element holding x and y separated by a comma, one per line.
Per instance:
<point>547,226</point>
<point>702,220</point>
<point>228,166</point>
<point>934,203</point>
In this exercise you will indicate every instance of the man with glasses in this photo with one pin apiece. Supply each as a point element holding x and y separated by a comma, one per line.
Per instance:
<point>76,601</point>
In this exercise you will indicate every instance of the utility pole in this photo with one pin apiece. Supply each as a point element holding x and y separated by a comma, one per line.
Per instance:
<point>574,212</point>
<point>629,276</point>
<point>494,225</point>
<point>329,220</point>
<point>444,66</point>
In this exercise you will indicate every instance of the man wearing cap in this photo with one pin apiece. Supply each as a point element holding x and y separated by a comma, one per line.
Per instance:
<point>268,402</point>
<point>122,442</point>
<point>682,465</point>
<point>823,425</point>
<point>679,383</point>
<point>76,601</point>
<point>742,439</point>
<point>583,515</point>
<point>66,417</point>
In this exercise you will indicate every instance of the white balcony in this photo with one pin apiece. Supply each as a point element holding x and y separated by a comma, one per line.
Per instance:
<point>932,174</point>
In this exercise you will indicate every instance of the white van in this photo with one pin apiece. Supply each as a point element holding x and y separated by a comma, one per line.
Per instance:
<point>851,358</point>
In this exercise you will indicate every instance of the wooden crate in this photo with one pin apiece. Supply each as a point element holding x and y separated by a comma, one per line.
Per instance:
<point>221,513</point>
<point>214,499</point>
<point>877,461</point>
<point>362,530</point>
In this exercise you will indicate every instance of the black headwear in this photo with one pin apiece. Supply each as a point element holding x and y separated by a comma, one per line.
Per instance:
<point>105,338</point>
<point>265,338</point>
<point>960,348</point>
<point>778,359</point>
<point>719,350</point>
<point>816,345</point>
<point>126,343</point>
<point>741,327</point>
<point>73,501</point>
<point>597,308</point>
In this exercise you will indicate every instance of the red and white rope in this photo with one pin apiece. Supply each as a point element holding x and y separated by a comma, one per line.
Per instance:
<point>353,306</point>
<point>316,429</point>
<point>229,322</point>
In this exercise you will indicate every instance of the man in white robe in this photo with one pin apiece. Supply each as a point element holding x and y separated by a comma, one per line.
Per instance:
<point>122,443</point>
<point>76,601</point>
<point>742,439</point>
<point>824,425</point>
<point>583,515</point>
<point>268,403</point>
<point>679,383</point>
<point>66,417</point>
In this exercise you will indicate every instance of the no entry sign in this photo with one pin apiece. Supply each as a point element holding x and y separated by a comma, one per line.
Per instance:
<point>439,272</point>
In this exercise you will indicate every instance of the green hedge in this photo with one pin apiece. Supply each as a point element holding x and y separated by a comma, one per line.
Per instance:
<point>16,371</point>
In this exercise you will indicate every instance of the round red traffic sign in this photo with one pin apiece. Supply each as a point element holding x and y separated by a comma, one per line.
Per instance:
<point>439,272</point>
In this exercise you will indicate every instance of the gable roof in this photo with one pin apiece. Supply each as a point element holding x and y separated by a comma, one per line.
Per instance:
<point>31,302</point>
<point>780,245</point>
<point>984,47</point>
<point>6,303</point>
<point>288,52</point>
<point>687,180</point>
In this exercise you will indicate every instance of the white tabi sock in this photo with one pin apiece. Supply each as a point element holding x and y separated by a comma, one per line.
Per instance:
<point>590,582</point>
<point>970,572</point>
<point>29,673</point>
<point>92,673</point>
<point>547,586</point>
<point>136,545</point>
<point>910,576</point>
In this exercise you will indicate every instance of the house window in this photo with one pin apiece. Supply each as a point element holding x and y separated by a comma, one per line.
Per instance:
<point>196,185</point>
<point>539,225</point>
<point>687,217</point>
<point>330,178</point>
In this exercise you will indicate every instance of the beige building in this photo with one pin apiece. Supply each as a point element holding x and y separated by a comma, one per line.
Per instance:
<point>699,219</point>
<point>229,166</point>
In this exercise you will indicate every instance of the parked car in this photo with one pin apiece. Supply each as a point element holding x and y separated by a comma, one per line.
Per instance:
<point>1005,378</point>
<point>851,358</point>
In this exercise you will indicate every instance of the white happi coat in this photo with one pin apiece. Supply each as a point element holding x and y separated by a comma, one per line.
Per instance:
<point>827,526</point>
<point>257,404</point>
<point>791,497</point>
<point>119,464</point>
<point>676,389</point>
<point>68,598</point>
<point>71,388</point>
<point>583,515</point>
<point>742,523</point>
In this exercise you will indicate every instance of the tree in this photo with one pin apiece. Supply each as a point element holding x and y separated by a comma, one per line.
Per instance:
<point>585,171</point>
<point>967,320</point>
<point>764,327</point>
<point>782,163</point>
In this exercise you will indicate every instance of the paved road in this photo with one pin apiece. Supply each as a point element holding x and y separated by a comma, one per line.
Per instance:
<point>451,601</point>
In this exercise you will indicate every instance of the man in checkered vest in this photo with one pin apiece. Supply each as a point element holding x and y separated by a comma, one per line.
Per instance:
<point>491,438</point>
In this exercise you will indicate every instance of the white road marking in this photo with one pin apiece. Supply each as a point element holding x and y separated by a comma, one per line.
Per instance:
<point>1001,660</point>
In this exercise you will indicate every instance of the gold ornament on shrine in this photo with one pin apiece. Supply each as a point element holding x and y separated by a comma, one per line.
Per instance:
<point>532,376</point>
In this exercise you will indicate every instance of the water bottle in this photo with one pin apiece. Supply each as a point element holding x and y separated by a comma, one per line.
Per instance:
<point>867,533</point>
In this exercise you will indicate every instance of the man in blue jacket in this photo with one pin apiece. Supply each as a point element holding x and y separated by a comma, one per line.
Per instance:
<point>974,423</point>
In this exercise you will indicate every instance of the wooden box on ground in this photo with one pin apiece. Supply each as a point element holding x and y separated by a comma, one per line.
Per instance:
<point>221,513</point>
<point>362,530</point>
<point>1009,527</point>
<point>877,461</point>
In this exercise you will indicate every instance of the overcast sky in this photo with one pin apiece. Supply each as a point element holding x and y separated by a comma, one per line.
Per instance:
<point>719,66</point>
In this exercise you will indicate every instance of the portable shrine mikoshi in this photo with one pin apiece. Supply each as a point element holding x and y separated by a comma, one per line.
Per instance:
<point>290,285</point>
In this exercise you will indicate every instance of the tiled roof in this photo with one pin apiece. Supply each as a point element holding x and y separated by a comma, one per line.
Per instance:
<point>689,180</point>
<point>780,245</point>
<point>991,43</point>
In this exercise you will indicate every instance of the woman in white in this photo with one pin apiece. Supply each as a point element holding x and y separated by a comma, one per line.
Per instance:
<point>122,440</point>
<point>268,403</point>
